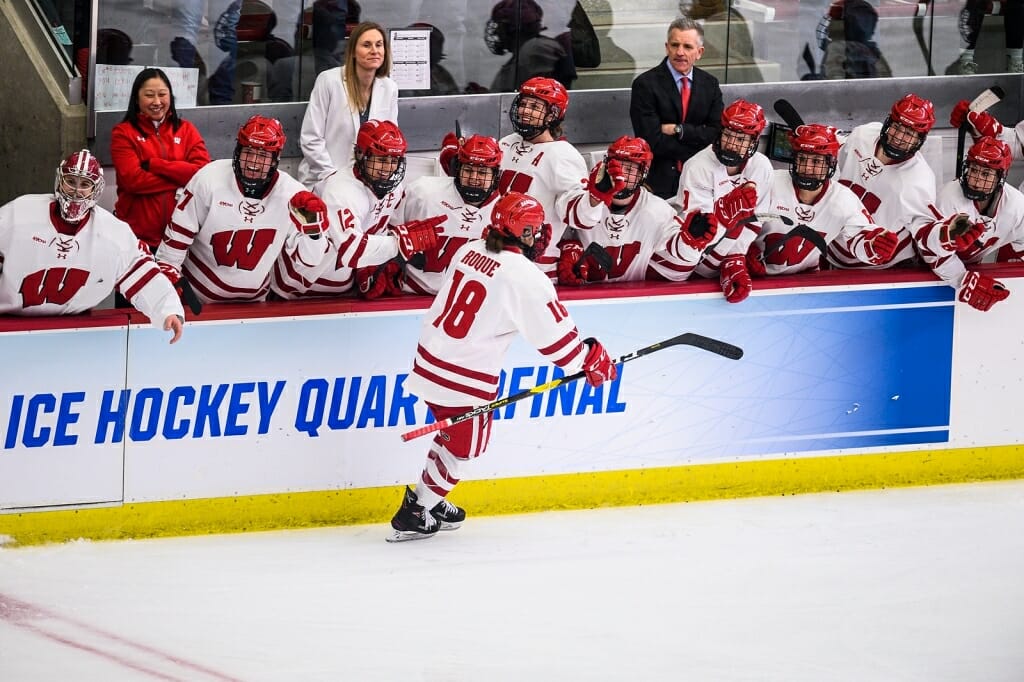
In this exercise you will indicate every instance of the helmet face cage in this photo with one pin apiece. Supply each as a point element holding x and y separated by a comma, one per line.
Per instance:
<point>742,125</point>
<point>518,218</point>
<point>985,169</point>
<point>906,127</point>
<point>499,32</point>
<point>815,150</point>
<point>78,185</point>
<point>635,156</point>
<point>257,152</point>
<point>540,105</point>
<point>380,156</point>
<point>476,168</point>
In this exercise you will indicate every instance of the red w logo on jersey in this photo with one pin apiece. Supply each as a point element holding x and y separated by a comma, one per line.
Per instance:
<point>242,249</point>
<point>55,285</point>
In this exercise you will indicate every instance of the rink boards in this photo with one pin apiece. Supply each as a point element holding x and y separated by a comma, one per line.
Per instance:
<point>290,414</point>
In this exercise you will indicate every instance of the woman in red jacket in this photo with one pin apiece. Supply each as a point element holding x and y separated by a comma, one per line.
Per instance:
<point>155,152</point>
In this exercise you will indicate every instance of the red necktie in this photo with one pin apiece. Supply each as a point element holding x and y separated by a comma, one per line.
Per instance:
<point>684,96</point>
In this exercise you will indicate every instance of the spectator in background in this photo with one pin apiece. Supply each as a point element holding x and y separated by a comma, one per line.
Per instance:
<point>676,106</point>
<point>515,26</point>
<point>344,98</point>
<point>329,19</point>
<point>187,17</point>
<point>155,152</point>
<point>971,17</point>
<point>847,35</point>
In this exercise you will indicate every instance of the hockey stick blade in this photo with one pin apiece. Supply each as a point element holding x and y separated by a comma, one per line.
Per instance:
<point>726,350</point>
<point>804,232</point>
<point>987,99</point>
<point>600,256</point>
<point>788,113</point>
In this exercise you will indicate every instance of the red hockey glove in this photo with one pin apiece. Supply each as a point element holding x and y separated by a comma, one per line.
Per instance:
<point>449,150</point>
<point>755,262</point>
<point>170,272</point>
<point>418,235</point>
<point>981,291</point>
<point>880,245</point>
<point>378,280</point>
<point>958,233</point>
<point>606,179</point>
<point>308,213</point>
<point>698,229</point>
<point>572,266</point>
<point>736,282</point>
<point>541,240</point>
<point>982,123</point>
<point>737,205</point>
<point>598,366</point>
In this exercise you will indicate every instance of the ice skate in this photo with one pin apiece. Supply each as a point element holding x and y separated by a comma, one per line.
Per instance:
<point>449,515</point>
<point>412,521</point>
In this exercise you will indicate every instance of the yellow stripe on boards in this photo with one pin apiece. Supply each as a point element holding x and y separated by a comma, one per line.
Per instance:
<point>526,494</point>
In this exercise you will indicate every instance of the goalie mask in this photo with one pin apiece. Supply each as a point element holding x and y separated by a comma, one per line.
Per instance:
<point>906,127</point>
<point>380,156</point>
<point>78,185</point>
<point>509,18</point>
<point>476,169</point>
<point>540,105</point>
<point>257,152</point>
<point>985,169</point>
<point>815,150</point>
<point>635,156</point>
<point>742,125</point>
<point>518,219</point>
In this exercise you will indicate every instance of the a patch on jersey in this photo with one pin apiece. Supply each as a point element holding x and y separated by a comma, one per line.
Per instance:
<point>251,209</point>
<point>521,148</point>
<point>870,167</point>
<point>616,225</point>
<point>804,213</point>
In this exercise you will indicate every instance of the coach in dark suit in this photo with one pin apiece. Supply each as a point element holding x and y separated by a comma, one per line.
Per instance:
<point>656,110</point>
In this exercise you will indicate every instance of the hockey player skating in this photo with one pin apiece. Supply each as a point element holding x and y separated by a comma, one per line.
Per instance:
<point>804,200</point>
<point>729,163</point>
<point>491,291</point>
<point>364,244</point>
<point>639,231</point>
<point>238,216</point>
<point>61,254</point>
<point>979,217</point>
<point>881,163</point>
<point>465,199</point>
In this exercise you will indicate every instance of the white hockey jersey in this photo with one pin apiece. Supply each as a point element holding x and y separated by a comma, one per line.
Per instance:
<point>644,237</point>
<point>705,180</point>
<point>837,215</point>
<point>357,238</point>
<point>544,171</point>
<point>1004,228</point>
<point>431,196</point>
<point>46,272</point>
<point>226,244</point>
<point>484,300</point>
<point>897,196</point>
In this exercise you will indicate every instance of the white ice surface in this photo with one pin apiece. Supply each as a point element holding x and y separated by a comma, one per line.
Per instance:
<point>876,586</point>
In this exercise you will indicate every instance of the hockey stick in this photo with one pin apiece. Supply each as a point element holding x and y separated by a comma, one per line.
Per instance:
<point>726,350</point>
<point>980,103</point>
<point>803,231</point>
<point>600,256</point>
<point>788,113</point>
<point>188,295</point>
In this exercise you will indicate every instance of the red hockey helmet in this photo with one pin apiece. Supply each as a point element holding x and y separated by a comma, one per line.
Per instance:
<point>481,157</point>
<point>742,125</point>
<point>380,156</point>
<point>813,139</point>
<point>517,217</point>
<point>744,117</point>
<point>260,132</point>
<point>78,185</point>
<point>551,93</point>
<point>987,153</point>
<point>635,155</point>
<point>257,151</point>
<point>915,116</point>
<point>914,112</point>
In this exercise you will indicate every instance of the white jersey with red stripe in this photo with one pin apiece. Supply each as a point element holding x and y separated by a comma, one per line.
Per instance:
<point>1003,238</point>
<point>643,237</point>
<point>46,271</point>
<point>544,171</point>
<point>704,181</point>
<point>432,196</point>
<point>485,299</point>
<point>226,243</point>
<point>897,196</point>
<point>358,237</point>
<point>836,215</point>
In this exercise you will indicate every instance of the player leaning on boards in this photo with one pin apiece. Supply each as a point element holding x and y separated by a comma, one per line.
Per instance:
<point>881,163</point>
<point>491,291</point>
<point>238,216</point>
<point>61,254</point>
<point>979,216</point>
<point>639,231</point>
<point>714,179</point>
<point>810,211</point>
